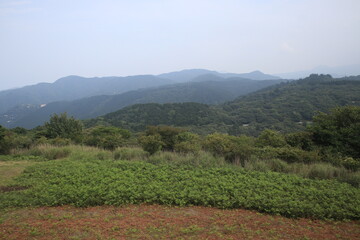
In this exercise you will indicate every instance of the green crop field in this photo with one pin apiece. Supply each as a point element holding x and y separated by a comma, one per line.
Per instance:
<point>91,178</point>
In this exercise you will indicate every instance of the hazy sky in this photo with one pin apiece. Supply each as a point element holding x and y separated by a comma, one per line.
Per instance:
<point>43,40</point>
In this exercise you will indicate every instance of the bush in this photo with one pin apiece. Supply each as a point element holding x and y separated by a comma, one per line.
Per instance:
<point>168,135</point>
<point>351,163</point>
<point>151,144</point>
<point>270,138</point>
<point>288,154</point>
<point>108,138</point>
<point>236,150</point>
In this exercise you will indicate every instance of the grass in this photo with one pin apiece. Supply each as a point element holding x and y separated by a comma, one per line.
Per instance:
<point>164,222</point>
<point>92,177</point>
<point>10,169</point>
<point>313,170</point>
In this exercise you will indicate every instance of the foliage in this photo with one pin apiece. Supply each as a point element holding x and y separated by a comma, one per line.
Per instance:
<point>270,138</point>
<point>127,153</point>
<point>64,127</point>
<point>106,182</point>
<point>339,129</point>
<point>106,137</point>
<point>4,144</point>
<point>285,107</point>
<point>288,154</point>
<point>302,140</point>
<point>137,117</point>
<point>168,135</point>
<point>187,142</point>
<point>151,143</point>
<point>235,149</point>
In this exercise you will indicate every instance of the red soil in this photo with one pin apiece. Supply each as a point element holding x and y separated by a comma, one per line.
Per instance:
<point>163,222</point>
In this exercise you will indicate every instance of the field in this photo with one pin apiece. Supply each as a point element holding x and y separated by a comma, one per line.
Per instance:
<point>164,222</point>
<point>78,192</point>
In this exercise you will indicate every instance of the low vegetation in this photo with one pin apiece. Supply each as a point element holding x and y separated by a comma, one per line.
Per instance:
<point>313,173</point>
<point>91,177</point>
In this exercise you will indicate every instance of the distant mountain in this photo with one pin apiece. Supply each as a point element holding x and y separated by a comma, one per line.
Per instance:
<point>340,71</point>
<point>210,90</point>
<point>75,87</point>
<point>286,107</point>
<point>190,74</point>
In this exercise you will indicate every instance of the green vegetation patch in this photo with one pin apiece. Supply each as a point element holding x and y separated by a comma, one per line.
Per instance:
<point>107,182</point>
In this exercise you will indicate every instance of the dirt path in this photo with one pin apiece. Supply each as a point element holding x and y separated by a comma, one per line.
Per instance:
<point>162,222</point>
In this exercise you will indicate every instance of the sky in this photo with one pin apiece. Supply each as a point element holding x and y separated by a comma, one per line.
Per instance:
<point>44,40</point>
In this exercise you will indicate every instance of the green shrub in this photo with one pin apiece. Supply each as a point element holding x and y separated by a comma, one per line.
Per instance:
<point>270,138</point>
<point>351,163</point>
<point>151,143</point>
<point>288,154</point>
<point>108,138</point>
<point>187,142</point>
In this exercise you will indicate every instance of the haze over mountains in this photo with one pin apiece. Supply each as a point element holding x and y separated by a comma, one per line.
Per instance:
<point>339,71</point>
<point>26,106</point>
<point>260,99</point>
<point>286,107</point>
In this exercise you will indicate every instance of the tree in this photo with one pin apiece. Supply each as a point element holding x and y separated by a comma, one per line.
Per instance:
<point>151,143</point>
<point>107,137</point>
<point>235,149</point>
<point>187,142</point>
<point>4,144</point>
<point>271,138</point>
<point>64,127</point>
<point>339,130</point>
<point>168,135</point>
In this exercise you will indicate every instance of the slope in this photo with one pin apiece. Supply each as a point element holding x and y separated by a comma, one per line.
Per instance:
<point>209,92</point>
<point>285,107</point>
<point>75,87</point>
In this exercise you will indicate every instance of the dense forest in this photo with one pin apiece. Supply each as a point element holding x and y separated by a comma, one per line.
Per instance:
<point>284,107</point>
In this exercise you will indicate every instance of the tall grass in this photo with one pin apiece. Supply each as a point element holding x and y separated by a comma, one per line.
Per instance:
<point>46,152</point>
<point>313,170</point>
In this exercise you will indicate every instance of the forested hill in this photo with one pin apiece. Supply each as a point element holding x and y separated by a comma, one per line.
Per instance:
<point>209,92</point>
<point>285,107</point>
<point>195,116</point>
<point>290,106</point>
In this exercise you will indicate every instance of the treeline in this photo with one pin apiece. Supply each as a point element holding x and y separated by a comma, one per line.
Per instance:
<point>332,138</point>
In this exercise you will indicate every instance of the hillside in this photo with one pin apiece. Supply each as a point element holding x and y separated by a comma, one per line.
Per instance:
<point>290,106</point>
<point>75,87</point>
<point>190,115</point>
<point>199,90</point>
<point>285,107</point>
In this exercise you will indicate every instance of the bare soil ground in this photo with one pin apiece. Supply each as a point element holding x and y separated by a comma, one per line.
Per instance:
<point>164,222</point>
